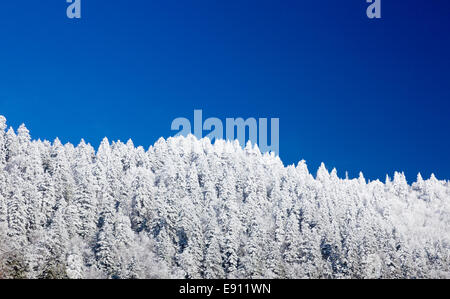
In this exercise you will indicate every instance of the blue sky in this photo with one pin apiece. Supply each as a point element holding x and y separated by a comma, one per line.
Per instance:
<point>357,94</point>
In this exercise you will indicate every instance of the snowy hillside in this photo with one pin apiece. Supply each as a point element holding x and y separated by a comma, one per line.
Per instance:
<point>189,209</point>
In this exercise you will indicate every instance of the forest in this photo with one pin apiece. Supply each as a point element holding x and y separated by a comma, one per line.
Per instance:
<point>187,208</point>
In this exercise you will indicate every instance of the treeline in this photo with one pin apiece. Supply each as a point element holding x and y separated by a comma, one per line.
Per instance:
<point>186,208</point>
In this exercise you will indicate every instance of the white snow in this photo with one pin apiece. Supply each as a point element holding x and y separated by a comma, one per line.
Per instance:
<point>187,208</point>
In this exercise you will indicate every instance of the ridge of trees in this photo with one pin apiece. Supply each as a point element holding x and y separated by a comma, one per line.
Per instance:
<point>186,208</point>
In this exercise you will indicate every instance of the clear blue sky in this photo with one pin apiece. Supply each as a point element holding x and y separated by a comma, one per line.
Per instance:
<point>357,94</point>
